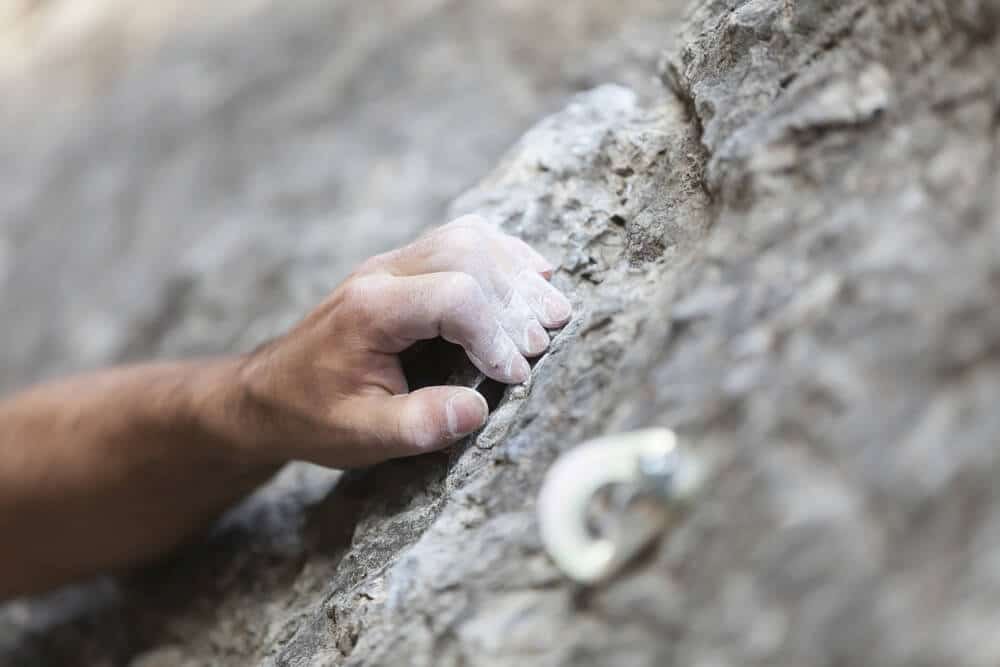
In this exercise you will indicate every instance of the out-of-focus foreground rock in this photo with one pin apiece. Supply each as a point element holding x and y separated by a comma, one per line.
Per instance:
<point>783,240</point>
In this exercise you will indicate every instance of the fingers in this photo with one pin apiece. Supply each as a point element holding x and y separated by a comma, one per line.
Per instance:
<point>547,303</point>
<point>511,274</point>
<point>518,319</point>
<point>529,255</point>
<point>466,244</point>
<point>465,282</point>
<point>452,305</point>
<point>416,423</point>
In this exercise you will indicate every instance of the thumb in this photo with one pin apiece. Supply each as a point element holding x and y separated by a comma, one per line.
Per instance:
<point>418,422</point>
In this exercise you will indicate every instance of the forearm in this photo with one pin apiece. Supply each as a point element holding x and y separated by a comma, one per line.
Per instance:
<point>106,470</point>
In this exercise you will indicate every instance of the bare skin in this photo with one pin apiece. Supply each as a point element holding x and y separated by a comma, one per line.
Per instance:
<point>104,471</point>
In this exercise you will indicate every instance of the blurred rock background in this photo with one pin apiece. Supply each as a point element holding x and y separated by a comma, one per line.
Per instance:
<point>187,178</point>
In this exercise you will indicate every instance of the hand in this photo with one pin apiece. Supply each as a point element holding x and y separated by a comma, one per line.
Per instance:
<point>116,466</point>
<point>332,390</point>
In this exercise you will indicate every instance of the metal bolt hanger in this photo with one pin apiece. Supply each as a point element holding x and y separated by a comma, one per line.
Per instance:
<point>634,464</point>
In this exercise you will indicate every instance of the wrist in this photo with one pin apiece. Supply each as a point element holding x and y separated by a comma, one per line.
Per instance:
<point>221,407</point>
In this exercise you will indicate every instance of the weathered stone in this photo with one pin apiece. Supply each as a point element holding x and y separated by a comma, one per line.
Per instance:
<point>793,260</point>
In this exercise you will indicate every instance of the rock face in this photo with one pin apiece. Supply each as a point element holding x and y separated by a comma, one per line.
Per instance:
<point>790,255</point>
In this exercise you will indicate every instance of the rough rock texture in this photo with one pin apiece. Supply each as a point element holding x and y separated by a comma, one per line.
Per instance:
<point>792,259</point>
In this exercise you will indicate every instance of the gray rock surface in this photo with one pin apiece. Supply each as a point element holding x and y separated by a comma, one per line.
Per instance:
<point>792,259</point>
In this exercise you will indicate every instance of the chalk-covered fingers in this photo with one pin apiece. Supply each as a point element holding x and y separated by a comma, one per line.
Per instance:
<point>400,310</point>
<point>518,319</point>
<point>548,304</point>
<point>510,273</point>
<point>530,257</point>
<point>335,381</point>
<point>515,272</point>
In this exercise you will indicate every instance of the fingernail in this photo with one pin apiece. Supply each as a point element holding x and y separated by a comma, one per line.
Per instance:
<point>537,338</point>
<point>558,309</point>
<point>466,411</point>
<point>518,369</point>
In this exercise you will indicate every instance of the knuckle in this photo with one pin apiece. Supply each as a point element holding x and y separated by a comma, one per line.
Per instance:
<point>471,227</point>
<point>372,265</point>
<point>524,280</point>
<point>502,348</point>
<point>463,239</point>
<point>495,345</point>
<point>353,293</point>
<point>357,296</point>
<point>512,300</point>
<point>462,288</point>
<point>473,221</point>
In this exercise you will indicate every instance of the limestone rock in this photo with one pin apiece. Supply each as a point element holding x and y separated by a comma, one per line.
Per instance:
<point>792,259</point>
